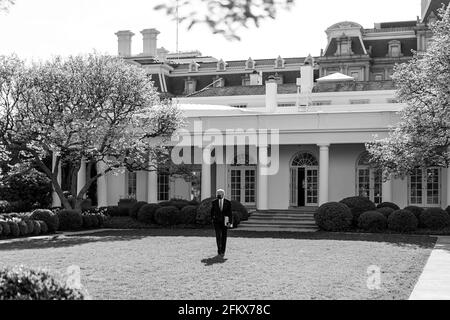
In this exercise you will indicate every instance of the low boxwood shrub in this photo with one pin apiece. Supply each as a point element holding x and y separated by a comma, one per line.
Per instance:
<point>236,219</point>
<point>357,206</point>
<point>50,218</point>
<point>44,227</point>
<point>204,212</point>
<point>388,205</point>
<point>166,216</point>
<point>36,227</point>
<point>14,229</point>
<point>23,228</point>
<point>20,283</point>
<point>434,219</point>
<point>403,221</point>
<point>179,203</point>
<point>70,220</point>
<point>187,215</point>
<point>30,226</point>
<point>147,213</point>
<point>165,203</point>
<point>334,216</point>
<point>87,222</point>
<point>241,209</point>
<point>135,208</point>
<point>194,203</point>
<point>373,221</point>
<point>386,211</point>
<point>1,230</point>
<point>448,209</point>
<point>416,210</point>
<point>116,211</point>
<point>5,228</point>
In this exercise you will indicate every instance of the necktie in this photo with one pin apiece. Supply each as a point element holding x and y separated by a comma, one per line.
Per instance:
<point>221,204</point>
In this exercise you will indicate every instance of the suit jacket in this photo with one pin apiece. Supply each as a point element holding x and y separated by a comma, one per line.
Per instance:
<point>218,216</point>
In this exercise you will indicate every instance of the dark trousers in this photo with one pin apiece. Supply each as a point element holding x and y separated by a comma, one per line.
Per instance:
<point>221,237</point>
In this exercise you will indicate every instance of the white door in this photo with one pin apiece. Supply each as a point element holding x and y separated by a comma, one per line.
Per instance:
<point>304,187</point>
<point>242,185</point>
<point>425,187</point>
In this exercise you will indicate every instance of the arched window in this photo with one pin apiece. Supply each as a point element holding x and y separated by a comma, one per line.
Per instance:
<point>305,160</point>
<point>369,181</point>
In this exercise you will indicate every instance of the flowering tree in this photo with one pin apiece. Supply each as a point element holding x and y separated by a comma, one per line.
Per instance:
<point>422,137</point>
<point>95,108</point>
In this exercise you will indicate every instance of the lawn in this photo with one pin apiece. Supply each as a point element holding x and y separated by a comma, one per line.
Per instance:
<point>179,264</point>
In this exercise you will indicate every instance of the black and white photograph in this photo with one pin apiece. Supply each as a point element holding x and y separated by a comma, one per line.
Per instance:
<point>225,156</point>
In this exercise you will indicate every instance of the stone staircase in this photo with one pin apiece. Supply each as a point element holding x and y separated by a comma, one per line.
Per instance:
<point>295,220</point>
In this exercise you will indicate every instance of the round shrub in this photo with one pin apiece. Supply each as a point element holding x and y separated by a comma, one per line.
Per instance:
<point>434,219</point>
<point>187,215</point>
<point>36,227</point>
<point>204,212</point>
<point>194,203</point>
<point>391,205</point>
<point>5,228</point>
<point>116,211</point>
<point>30,226</point>
<point>448,209</point>
<point>165,203</point>
<point>44,227</point>
<point>70,220</point>
<point>14,229</point>
<point>166,216</point>
<point>358,205</point>
<point>94,220</point>
<point>373,221</point>
<point>23,227</point>
<point>386,211</point>
<point>416,210</point>
<point>147,213</point>
<point>20,283</point>
<point>101,219</point>
<point>1,230</point>
<point>135,208</point>
<point>50,219</point>
<point>402,221</point>
<point>241,209</point>
<point>236,219</point>
<point>179,203</point>
<point>87,222</point>
<point>334,216</point>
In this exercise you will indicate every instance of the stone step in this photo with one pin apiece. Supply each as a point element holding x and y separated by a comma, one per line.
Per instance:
<point>267,216</point>
<point>280,223</point>
<point>276,229</point>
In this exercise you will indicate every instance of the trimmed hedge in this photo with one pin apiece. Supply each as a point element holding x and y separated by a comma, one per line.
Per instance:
<point>6,230</point>
<point>391,205</point>
<point>116,211</point>
<point>20,283</point>
<point>403,221</point>
<point>5,207</point>
<point>386,211</point>
<point>357,206</point>
<point>187,215</point>
<point>166,216</point>
<point>50,219</point>
<point>14,229</point>
<point>204,212</point>
<point>334,216</point>
<point>434,219</point>
<point>416,210</point>
<point>30,225</point>
<point>70,220</point>
<point>236,219</point>
<point>147,213</point>
<point>135,208</point>
<point>448,209</point>
<point>179,203</point>
<point>373,221</point>
<point>23,228</point>
<point>241,209</point>
<point>44,227</point>
<point>36,228</point>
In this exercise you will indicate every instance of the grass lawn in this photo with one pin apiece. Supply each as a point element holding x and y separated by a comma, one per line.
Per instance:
<point>179,264</point>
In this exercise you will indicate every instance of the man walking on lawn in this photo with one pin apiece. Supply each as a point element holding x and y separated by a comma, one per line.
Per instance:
<point>222,217</point>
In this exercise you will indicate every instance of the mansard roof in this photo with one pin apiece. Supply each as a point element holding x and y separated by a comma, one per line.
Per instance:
<point>356,47</point>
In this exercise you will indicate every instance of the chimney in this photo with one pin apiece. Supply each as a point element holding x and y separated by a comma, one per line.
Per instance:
<point>271,95</point>
<point>162,53</point>
<point>124,42</point>
<point>150,42</point>
<point>307,76</point>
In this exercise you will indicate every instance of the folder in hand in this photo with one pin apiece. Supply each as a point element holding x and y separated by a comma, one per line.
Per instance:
<point>227,222</point>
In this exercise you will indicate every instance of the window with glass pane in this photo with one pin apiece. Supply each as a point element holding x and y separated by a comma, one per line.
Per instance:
<point>378,187</point>
<point>313,186</point>
<point>364,183</point>
<point>236,185</point>
<point>132,184</point>
<point>250,184</point>
<point>433,186</point>
<point>416,187</point>
<point>163,187</point>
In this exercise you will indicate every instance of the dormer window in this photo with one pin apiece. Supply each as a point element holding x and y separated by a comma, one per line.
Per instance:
<point>221,65</point>
<point>344,46</point>
<point>279,63</point>
<point>250,64</point>
<point>193,66</point>
<point>395,49</point>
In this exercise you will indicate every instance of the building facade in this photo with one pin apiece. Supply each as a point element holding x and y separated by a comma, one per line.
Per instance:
<point>323,109</point>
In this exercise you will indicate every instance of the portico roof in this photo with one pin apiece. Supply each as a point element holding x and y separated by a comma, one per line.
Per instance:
<point>336,77</point>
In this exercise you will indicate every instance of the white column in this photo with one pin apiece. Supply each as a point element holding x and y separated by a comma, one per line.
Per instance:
<point>324,173</point>
<point>56,201</point>
<point>152,183</point>
<point>263,180</point>
<point>102,188</point>
<point>386,190</point>
<point>81,177</point>
<point>206,174</point>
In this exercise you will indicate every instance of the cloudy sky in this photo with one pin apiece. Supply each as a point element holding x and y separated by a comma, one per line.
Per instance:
<point>38,29</point>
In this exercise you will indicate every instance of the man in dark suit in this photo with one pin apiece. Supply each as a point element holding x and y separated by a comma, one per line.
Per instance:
<point>221,209</point>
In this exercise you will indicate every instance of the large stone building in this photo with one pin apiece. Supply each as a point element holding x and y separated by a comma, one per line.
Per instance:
<point>326,108</point>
